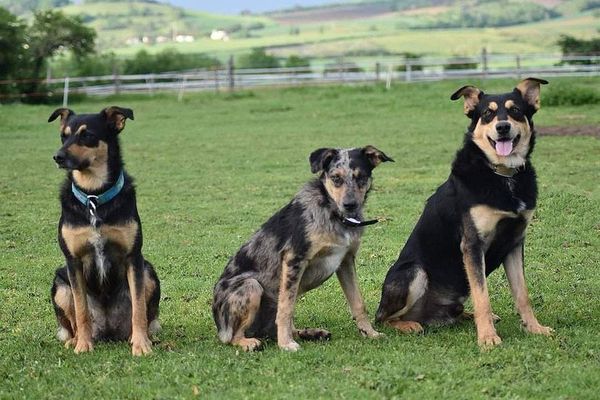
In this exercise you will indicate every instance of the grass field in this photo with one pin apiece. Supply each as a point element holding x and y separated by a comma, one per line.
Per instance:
<point>214,167</point>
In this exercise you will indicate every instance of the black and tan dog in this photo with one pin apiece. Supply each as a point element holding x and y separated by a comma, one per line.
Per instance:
<point>296,250</point>
<point>107,290</point>
<point>474,222</point>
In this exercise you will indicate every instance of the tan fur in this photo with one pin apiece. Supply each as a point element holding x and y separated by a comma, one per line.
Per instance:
<point>517,157</point>
<point>285,306</point>
<point>486,333</point>
<point>83,328</point>
<point>96,175</point>
<point>509,104</point>
<point>349,282</point>
<point>530,90</point>
<point>486,218</point>
<point>493,106</point>
<point>513,266</point>
<point>66,130</point>
<point>140,343</point>
<point>406,326</point>
<point>79,239</point>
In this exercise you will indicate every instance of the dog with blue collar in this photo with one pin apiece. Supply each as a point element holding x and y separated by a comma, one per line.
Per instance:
<point>106,290</point>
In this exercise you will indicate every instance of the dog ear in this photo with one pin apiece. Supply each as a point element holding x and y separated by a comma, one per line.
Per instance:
<point>320,159</point>
<point>64,114</point>
<point>471,95</point>
<point>116,116</point>
<point>530,90</point>
<point>375,155</point>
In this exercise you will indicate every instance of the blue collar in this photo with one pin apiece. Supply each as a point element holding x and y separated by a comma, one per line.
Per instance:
<point>100,199</point>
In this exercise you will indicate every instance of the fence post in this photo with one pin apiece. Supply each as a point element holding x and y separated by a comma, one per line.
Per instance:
<point>216,79</point>
<point>388,81</point>
<point>66,92</point>
<point>117,82</point>
<point>484,62</point>
<point>518,66</point>
<point>408,71</point>
<point>230,74</point>
<point>182,88</point>
<point>377,71</point>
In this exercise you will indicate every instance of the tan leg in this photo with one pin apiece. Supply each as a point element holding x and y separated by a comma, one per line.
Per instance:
<point>83,330</point>
<point>288,292</point>
<point>67,324</point>
<point>475,267</point>
<point>513,266</point>
<point>245,305</point>
<point>140,343</point>
<point>348,281</point>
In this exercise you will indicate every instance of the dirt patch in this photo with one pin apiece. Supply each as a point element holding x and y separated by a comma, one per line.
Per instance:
<point>581,130</point>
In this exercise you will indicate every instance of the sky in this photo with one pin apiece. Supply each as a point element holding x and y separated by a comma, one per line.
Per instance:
<point>236,6</point>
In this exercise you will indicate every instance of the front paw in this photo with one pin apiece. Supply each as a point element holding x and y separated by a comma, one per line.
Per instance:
<point>83,345</point>
<point>370,333</point>
<point>489,340</point>
<point>539,329</point>
<point>140,345</point>
<point>290,345</point>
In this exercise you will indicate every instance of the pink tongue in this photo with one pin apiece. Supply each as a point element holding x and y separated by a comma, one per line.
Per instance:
<point>504,148</point>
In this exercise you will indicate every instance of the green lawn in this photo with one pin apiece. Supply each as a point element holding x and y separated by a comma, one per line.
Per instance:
<point>212,168</point>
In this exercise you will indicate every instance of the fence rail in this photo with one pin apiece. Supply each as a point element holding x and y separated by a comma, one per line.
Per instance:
<point>409,70</point>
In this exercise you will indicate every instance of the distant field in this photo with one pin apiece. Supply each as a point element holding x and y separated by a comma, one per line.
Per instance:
<point>371,30</point>
<point>211,169</point>
<point>391,34</point>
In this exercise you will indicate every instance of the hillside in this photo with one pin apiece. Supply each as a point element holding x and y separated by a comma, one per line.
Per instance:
<point>350,29</point>
<point>124,23</point>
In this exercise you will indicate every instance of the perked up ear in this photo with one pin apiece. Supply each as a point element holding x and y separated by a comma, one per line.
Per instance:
<point>375,155</point>
<point>471,95</point>
<point>320,159</point>
<point>530,90</point>
<point>64,114</point>
<point>116,116</point>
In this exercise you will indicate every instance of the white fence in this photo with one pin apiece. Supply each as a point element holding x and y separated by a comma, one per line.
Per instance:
<point>425,69</point>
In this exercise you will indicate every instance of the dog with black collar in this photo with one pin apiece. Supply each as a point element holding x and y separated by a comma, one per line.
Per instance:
<point>107,290</point>
<point>474,222</point>
<point>314,236</point>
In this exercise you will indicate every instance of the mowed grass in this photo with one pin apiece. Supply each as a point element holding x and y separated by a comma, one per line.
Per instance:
<point>211,169</point>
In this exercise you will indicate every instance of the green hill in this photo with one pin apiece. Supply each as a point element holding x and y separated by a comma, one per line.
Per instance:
<point>119,23</point>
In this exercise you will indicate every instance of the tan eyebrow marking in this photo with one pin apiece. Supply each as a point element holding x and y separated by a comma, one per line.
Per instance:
<point>67,130</point>
<point>493,106</point>
<point>509,104</point>
<point>81,129</point>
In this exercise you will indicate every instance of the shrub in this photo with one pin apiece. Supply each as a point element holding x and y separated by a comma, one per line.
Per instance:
<point>258,58</point>
<point>562,94</point>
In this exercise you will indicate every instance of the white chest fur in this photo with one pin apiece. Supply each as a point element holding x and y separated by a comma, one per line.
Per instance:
<point>322,267</point>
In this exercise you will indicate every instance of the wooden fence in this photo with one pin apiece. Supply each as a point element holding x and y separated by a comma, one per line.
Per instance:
<point>340,72</point>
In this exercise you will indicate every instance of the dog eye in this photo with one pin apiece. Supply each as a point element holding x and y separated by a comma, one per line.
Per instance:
<point>515,110</point>
<point>362,180</point>
<point>488,113</point>
<point>337,180</point>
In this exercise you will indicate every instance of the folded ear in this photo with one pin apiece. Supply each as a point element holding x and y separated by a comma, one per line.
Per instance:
<point>320,159</point>
<point>375,155</point>
<point>471,95</point>
<point>530,90</point>
<point>64,114</point>
<point>116,116</point>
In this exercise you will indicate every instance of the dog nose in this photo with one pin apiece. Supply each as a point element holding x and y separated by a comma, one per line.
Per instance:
<point>350,205</point>
<point>503,127</point>
<point>59,157</point>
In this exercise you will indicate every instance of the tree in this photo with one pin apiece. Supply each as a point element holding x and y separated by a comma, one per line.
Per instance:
<point>12,39</point>
<point>53,32</point>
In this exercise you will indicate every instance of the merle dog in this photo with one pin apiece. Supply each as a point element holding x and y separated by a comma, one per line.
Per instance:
<point>296,250</point>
